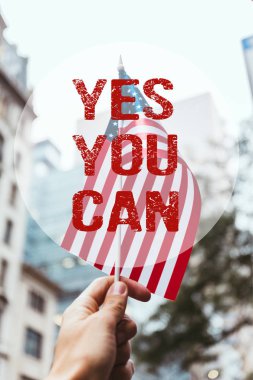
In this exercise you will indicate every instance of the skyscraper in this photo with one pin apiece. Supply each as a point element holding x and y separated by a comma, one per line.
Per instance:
<point>247,44</point>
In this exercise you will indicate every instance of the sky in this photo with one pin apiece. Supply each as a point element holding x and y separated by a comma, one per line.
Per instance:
<point>208,33</point>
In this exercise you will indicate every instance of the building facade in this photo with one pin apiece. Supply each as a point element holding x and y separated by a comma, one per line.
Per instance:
<point>18,327</point>
<point>247,44</point>
<point>35,328</point>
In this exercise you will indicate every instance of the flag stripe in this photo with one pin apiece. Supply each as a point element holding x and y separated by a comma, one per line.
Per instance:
<point>177,242</point>
<point>89,184</point>
<point>183,258</point>
<point>146,243</point>
<point>109,237</point>
<point>153,258</point>
<point>168,240</point>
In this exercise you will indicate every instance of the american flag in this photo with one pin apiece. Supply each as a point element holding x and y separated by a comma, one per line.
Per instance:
<point>157,260</point>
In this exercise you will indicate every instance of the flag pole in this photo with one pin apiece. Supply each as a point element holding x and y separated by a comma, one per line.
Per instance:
<point>117,261</point>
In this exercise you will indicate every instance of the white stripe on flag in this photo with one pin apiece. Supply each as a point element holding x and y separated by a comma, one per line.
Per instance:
<point>159,236</point>
<point>177,242</point>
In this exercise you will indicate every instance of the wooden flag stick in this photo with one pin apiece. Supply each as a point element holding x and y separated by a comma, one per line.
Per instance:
<point>117,260</point>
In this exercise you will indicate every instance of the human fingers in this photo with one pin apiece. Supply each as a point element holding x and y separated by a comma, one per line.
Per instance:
<point>114,306</point>
<point>89,301</point>
<point>136,290</point>
<point>126,330</point>
<point>93,296</point>
<point>123,354</point>
<point>124,372</point>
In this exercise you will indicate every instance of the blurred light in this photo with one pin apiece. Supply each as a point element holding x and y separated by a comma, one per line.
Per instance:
<point>213,374</point>
<point>68,263</point>
<point>58,319</point>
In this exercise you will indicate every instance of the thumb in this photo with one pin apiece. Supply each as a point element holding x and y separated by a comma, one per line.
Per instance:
<point>115,303</point>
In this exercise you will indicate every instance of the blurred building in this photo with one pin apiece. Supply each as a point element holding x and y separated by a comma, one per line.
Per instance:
<point>51,190</point>
<point>35,328</point>
<point>234,354</point>
<point>247,44</point>
<point>21,289</point>
<point>244,197</point>
<point>14,64</point>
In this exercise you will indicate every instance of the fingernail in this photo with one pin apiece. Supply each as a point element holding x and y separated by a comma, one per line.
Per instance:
<point>118,288</point>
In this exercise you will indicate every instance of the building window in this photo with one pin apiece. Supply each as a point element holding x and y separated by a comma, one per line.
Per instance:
<point>37,302</point>
<point>18,160</point>
<point>3,272</point>
<point>13,194</point>
<point>3,299</point>
<point>4,106</point>
<point>1,148</point>
<point>8,231</point>
<point>33,343</point>
<point>26,378</point>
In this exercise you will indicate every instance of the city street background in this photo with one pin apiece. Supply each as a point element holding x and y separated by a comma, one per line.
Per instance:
<point>207,333</point>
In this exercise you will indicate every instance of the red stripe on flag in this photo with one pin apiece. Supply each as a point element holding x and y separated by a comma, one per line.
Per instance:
<point>89,184</point>
<point>89,237</point>
<point>149,236</point>
<point>108,240</point>
<point>129,236</point>
<point>183,258</point>
<point>165,248</point>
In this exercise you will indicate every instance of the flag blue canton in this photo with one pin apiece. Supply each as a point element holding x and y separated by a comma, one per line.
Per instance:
<point>127,108</point>
<point>132,91</point>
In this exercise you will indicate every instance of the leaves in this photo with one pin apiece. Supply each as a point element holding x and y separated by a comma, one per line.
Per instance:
<point>214,285</point>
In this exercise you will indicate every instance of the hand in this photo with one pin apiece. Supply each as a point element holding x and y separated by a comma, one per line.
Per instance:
<point>93,342</point>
